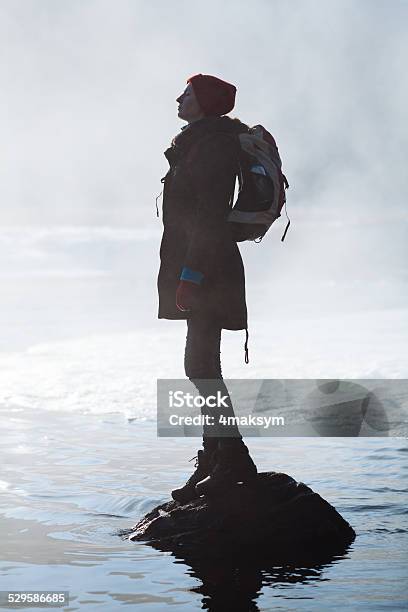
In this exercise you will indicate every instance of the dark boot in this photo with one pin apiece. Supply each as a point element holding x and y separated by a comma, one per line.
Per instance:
<point>203,465</point>
<point>233,464</point>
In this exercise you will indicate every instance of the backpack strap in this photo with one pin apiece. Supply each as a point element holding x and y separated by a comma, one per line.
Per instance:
<point>285,186</point>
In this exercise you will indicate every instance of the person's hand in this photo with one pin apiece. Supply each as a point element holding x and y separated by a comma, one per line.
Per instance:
<point>187,295</point>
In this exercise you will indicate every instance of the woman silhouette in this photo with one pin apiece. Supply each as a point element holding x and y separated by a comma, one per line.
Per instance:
<point>201,277</point>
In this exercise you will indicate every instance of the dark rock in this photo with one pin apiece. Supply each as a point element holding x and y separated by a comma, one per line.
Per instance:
<point>276,518</point>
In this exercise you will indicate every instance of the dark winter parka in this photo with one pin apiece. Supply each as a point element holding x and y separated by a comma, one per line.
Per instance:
<point>196,202</point>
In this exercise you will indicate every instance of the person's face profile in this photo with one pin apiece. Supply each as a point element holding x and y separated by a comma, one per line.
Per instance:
<point>189,107</point>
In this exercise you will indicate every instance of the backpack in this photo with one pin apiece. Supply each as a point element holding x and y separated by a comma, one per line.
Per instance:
<point>261,194</point>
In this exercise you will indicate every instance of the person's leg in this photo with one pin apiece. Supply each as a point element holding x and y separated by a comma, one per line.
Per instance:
<point>202,364</point>
<point>203,367</point>
<point>225,458</point>
<point>200,358</point>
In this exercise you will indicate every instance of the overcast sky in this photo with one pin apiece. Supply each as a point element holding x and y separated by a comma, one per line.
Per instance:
<point>89,88</point>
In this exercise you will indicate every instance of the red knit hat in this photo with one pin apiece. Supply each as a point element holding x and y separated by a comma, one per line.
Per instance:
<point>216,97</point>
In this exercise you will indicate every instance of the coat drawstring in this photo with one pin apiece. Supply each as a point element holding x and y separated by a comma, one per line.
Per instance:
<point>157,208</point>
<point>246,345</point>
